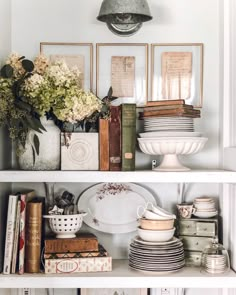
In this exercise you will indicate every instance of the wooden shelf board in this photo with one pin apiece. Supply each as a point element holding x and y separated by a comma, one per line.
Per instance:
<point>121,276</point>
<point>193,176</point>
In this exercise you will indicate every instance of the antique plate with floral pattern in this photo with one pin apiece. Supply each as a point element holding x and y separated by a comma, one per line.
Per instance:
<point>112,207</point>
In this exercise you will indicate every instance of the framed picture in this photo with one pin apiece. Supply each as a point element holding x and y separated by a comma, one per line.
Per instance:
<point>74,54</point>
<point>177,73</point>
<point>114,291</point>
<point>124,66</point>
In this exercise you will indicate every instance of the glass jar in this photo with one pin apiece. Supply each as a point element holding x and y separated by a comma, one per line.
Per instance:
<point>215,259</point>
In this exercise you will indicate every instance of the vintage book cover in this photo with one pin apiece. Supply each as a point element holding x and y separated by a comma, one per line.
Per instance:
<point>169,107</point>
<point>128,141</point>
<point>24,198</point>
<point>100,253</point>
<point>77,265</point>
<point>33,234</point>
<point>10,227</point>
<point>179,114</point>
<point>16,239</point>
<point>166,102</point>
<point>104,144</point>
<point>115,138</point>
<point>84,242</point>
<point>178,111</point>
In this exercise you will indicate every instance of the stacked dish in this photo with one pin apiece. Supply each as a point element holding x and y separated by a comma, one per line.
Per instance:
<point>156,224</point>
<point>205,207</point>
<point>162,124</point>
<point>160,257</point>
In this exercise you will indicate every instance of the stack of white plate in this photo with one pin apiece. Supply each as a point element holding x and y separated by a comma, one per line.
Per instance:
<point>160,257</point>
<point>215,264</point>
<point>205,207</point>
<point>164,124</point>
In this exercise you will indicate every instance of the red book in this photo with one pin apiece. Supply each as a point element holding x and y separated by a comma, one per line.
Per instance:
<point>24,199</point>
<point>115,138</point>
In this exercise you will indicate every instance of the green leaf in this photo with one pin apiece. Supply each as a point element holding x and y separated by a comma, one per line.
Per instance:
<point>40,125</point>
<point>27,65</point>
<point>110,91</point>
<point>23,105</point>
<point>7,71</point>
<point>31,123</point>
<point>22,57</point>
<point>36,143</point>
<point>33,154</point>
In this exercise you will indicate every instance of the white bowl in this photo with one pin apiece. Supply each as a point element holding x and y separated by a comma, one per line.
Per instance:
<point>65,226</point>
<point>169,134</point>
<point>170,147</point>
<point>156,235</point>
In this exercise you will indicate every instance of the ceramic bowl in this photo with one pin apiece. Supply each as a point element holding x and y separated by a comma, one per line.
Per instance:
<point>65,226</point>
<point>156,235</point>
<point>170,148</point>
<point>156,224</point>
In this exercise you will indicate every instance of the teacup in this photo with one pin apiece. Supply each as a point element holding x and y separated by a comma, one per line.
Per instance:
<point>150,211</point>
<point>186,210</point>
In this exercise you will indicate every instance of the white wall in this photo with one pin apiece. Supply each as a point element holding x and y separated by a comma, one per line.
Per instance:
<point>174,21</point>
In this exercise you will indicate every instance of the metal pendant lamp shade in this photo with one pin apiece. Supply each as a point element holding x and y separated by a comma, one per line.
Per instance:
<point>124,17</point>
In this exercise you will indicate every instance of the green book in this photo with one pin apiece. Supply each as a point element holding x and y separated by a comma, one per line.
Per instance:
<point>128,119</point>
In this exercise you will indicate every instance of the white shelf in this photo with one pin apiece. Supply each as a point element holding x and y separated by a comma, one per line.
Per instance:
<point>121,276</point>
<point>193,176</point>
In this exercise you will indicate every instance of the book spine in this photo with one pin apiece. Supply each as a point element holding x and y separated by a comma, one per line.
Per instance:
<point>11,217</point>
<point>77,265</point>
<point>166,102</point>
<point>115,138</point>
<point>70,245</point>
<point>22,234</point>
<point>169,112</point>
<point>170,107</point>
<point>33,237</point>
<point>128,131</point>
<point>16,238</point>
<point>104,144</point>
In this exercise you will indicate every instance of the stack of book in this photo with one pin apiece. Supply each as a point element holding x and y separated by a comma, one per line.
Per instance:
<point>23,234</point>
<point>74,255</point>
<point>170,108</point>
<point>117,137</point>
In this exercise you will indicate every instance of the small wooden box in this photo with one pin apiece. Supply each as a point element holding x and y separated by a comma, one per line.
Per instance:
<point>198,227</point>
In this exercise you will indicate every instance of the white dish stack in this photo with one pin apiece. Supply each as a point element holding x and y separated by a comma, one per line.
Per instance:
<point>156,249</point>
<point>205,207</point>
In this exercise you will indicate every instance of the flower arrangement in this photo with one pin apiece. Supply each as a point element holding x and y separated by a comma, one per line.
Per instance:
<point>29,90</point>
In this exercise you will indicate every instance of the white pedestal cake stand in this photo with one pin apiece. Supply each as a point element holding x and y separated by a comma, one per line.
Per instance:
<point>170,148</point>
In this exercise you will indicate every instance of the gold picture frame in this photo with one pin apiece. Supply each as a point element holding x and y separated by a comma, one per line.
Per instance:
<point>177,72</point>
<point>110,55</point>
<point>73,50</point>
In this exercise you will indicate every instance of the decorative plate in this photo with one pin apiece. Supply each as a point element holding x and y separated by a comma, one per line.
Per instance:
<point>112,207</point>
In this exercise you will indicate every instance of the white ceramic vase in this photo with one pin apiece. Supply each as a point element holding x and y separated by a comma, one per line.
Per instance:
<point>49,150</point>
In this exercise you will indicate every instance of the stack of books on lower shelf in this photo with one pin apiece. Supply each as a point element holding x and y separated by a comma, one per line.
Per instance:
<point>74,255</point>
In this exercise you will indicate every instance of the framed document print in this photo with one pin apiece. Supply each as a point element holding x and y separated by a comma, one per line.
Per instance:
<point>74,54</point>
<point>177,73</point>
<point>124,66</point>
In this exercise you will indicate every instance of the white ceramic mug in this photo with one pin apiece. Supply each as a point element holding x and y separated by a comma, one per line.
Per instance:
<point>186,210</point>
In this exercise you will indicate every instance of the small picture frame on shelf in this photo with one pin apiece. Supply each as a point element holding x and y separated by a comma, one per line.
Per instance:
<point>74,54</point>
<point>177,73</point>
<point>124,66</point>
<point>114,291</point>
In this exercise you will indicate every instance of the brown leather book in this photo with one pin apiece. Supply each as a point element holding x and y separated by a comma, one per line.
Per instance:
<point>33,235</point>
<point>82,243</point>
<point>166,102</point>
<point>104,144</point>
<point>115,138</point>
<point>169,107</point>
<point>178,111</point>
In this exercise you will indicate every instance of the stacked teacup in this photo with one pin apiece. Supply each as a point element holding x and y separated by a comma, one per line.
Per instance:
<point>156,224</point>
